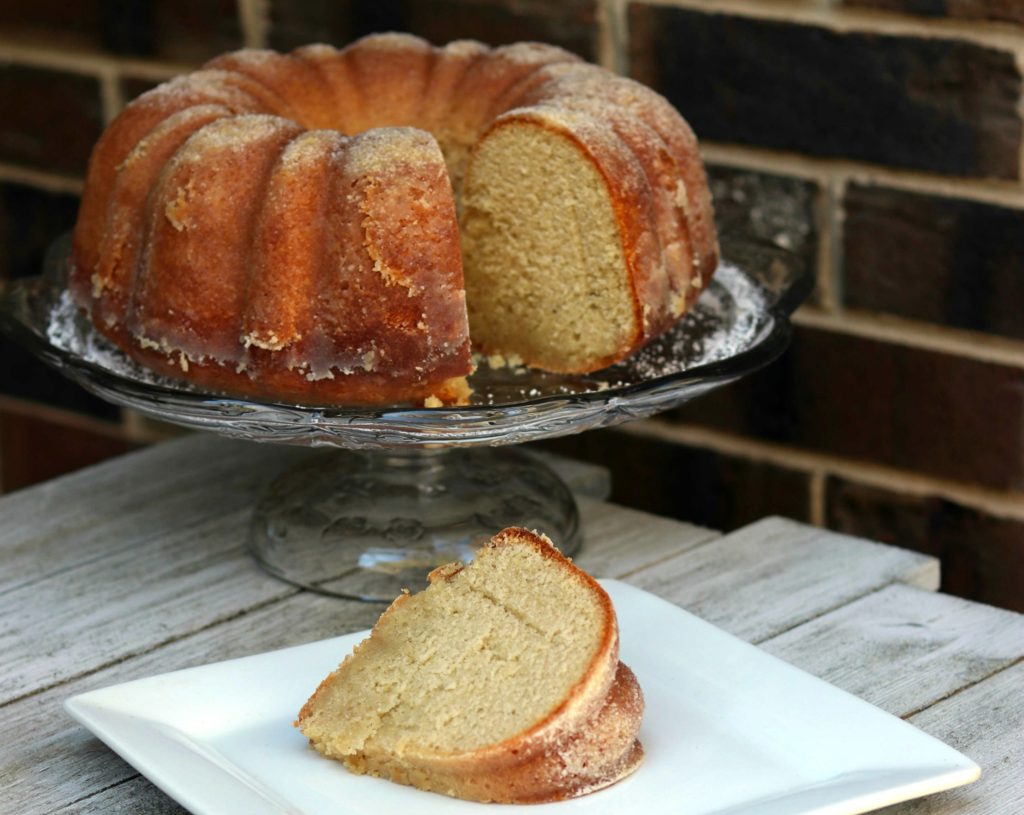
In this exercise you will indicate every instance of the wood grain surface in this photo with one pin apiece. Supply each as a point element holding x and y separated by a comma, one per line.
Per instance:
<point>137,567</point>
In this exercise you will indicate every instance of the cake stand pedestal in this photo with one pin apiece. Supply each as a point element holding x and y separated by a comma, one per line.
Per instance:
<point>367,525</point>
<point>413,488</point>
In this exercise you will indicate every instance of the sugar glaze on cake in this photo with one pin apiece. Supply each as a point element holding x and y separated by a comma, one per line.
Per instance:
<point>287,226</point>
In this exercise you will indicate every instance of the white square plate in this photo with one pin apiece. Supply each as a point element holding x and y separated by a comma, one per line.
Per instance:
<point>728,729</point>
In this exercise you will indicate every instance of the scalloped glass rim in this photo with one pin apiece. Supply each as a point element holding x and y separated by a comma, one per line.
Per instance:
<point>27,308</point>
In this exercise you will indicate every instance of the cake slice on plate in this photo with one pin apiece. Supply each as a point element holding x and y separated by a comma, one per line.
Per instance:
<point>499,682</point>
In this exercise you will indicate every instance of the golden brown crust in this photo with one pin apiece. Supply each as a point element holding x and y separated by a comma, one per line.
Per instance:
<point>345,103</point>
<point>392,72</point>
<point>619,97</point>
<point>643,150</point>
<point>394,333</point>
<point>128,129</point>
<point>113,277</point>
<point>297,88</point>
<point>600,752</point>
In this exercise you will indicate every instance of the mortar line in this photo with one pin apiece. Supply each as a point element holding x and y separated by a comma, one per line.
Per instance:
<point>993,502</point>
<point>816,498</point>
<point>87,62</point>
<point>110,93</point>
<point>1000,192</point>
<point>826,202</point>
<point>913,334</point>
<point>41,179</point>
<point>852,20</point>
<point>253,18</point>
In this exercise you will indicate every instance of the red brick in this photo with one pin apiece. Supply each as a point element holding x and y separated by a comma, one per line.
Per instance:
<point>697,485</point>
<point>185,30</point>
<point>982,555</point>
<point>1003,11</point>
<point>941,260</point>
<point>55,22</point>
<point>894,405</point>
<point>570,24</point>
<point>181,30</point>
<point>51,118</point>
<point>132,86</point>
<point>195,30</point>
<point>25,376</point>
<point>30,219</point>
<point>37,444</point>
<point>927,103</point>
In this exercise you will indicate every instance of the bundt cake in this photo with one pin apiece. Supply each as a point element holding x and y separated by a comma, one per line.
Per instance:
<point>284,226</point>
<point>499,682</point>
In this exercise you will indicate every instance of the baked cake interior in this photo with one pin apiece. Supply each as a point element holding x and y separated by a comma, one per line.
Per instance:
<point>542,258</point>
<point>526,632</point>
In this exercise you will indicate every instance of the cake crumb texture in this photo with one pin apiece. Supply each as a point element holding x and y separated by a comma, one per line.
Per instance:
<point>498,682</point>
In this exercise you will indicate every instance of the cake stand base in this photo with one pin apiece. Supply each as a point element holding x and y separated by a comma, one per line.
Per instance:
<point>366,525</point>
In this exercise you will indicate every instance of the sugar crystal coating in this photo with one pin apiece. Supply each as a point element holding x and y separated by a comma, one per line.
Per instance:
<point>284,226</point>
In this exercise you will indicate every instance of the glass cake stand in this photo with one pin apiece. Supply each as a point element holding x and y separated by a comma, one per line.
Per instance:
<point>405,489</point>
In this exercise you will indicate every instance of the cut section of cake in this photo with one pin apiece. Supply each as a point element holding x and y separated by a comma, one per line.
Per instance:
<point>499,682</point>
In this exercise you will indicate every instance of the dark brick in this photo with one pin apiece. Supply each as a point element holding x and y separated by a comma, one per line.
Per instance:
<point>696,485</point>
<point>132,86</point>
<point>903,407</point>
<point>24,376</point>
<point>1003,11</point>
<point>982,556</point>
<point>55,22</point>
<point>196,30</point>
<point>30,219</point>
<point>948,261</point>
<point>37,444</point>
<point>183,30</point>
<point>766,223</point>
<point>332,21</point>
<point>51,119</point>
<point>128,27</point>
<point>926,103</point>
<point>570,24</point>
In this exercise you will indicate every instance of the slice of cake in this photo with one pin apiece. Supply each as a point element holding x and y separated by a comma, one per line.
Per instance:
<point>499,682</point>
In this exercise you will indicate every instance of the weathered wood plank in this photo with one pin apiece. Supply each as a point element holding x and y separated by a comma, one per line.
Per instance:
<point>586,480</point>
<point>133,797</point>
<point>74,622</point>
<point>139,564</point>
<point>121,502</point>
<point>902,648</point>
<point>775,574</point>
<point>111,607</point>
<point>41,778</point>
<point>985,722</point>
<point>186,593</point>
<point>91,513</point>
<point>61,762</point>
<point>619,541</point>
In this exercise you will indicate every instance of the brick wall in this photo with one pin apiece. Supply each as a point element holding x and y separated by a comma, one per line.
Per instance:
<point>878,142</point>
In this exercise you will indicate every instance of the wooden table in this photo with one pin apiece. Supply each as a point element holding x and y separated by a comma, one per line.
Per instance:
<point>138,567</point>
